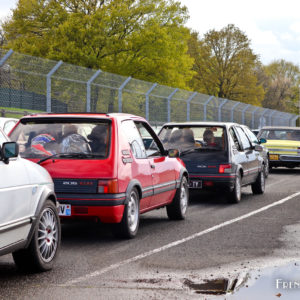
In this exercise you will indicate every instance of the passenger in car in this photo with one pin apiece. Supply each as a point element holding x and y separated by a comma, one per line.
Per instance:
<point>209,138</point>
<point>97,139</point>
<point>188,139</point>
<point>174,139</point>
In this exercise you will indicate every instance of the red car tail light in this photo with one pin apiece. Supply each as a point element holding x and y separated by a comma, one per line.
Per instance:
<point>108,186</point>
<point>225,169</point>
<point>208,183</point>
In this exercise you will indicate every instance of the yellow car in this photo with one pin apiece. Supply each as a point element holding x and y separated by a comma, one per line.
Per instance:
<point>283,144</point>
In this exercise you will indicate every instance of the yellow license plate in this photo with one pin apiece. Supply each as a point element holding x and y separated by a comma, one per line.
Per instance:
<point>274,157</point>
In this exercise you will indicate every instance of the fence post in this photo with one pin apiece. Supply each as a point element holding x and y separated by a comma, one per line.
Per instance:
<point>6,57</point>
<point>147,99</point>
<point>293,120</point>
<point>88,90</point>
<point>54,69</point>
<point>253,115</point>
<point>120,92</point>
<point>220,109</point>
<point>205,110</point>
<point>169,103</point>
<point>243,112</point>
<point>261,117</point>
<point>270,117</point>
<point>188,108</point>
<point>232,110</point>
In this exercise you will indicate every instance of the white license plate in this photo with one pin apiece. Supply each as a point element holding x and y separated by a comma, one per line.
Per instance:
<point>195,184</point>
<point>64,210</point>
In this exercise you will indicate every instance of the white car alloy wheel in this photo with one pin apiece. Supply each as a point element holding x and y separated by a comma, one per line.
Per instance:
<point>183,198</point>
<point>47,235</point>
<point>238,188</point>
<point>133,211</point>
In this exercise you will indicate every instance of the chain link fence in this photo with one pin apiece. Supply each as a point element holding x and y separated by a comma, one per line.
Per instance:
<point>34,83</point>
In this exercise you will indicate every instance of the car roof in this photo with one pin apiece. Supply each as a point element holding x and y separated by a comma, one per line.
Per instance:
<point>109,116</point>
<point>209,123</point>
<point>280,127</point>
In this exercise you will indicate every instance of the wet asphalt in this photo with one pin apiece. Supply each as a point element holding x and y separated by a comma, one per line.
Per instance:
<point>93,264</point>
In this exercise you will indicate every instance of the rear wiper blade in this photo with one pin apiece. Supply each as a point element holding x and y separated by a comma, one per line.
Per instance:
<point>189,151</point>
<point>198,149</point>
<point>77,155</point>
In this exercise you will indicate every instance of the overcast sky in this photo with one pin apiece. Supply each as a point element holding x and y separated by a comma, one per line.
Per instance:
<point>273,26</point>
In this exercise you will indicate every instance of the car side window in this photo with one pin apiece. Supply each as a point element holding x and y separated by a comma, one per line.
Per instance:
<point>245,141</point>
<point>235,139</point>
<point>151,148</point>
<point>134,139</point>
<point>251,136</point>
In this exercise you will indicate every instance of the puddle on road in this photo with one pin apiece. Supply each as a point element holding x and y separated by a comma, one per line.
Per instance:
<point>209,287</point>
<point>278,282</point>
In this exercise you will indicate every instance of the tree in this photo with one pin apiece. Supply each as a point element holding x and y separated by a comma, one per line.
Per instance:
<point>225,65</point>
<point>145,39</point>
<point>281,82</point>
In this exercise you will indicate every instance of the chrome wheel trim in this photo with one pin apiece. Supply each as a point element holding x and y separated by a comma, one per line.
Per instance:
<point>183,199</point>
<point>262,180</point>
<point>238,188</point>
<point>133,212</point>
<point>47,235</point>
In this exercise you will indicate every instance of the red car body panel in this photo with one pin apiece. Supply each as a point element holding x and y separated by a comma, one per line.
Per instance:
<point>157,177</point>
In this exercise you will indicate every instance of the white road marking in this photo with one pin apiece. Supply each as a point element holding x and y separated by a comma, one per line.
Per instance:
<point>176,243</point>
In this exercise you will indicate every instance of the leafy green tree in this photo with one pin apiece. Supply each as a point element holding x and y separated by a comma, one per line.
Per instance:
<point>281,81</point>
<point>145,39</point>
<point>225,65</point>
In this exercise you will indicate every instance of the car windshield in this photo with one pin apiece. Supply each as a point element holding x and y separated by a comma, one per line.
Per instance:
<point>68,138</point>
<point>189,139</point>
<point>280,134</point>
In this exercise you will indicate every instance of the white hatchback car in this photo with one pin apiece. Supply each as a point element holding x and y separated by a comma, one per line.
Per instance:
<point>29,221</point>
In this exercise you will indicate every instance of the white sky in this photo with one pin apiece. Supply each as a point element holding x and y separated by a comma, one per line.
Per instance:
<point>273,26</point>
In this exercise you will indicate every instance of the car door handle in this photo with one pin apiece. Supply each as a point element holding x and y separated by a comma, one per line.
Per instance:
<point>152,166</point>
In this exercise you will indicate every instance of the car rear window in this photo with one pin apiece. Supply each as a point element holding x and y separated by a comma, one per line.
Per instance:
<point>194,137</point>
<point>39,139</point>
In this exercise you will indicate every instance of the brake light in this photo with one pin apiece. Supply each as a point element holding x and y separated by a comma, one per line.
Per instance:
<point>225,168</point>
<point>108,186</point>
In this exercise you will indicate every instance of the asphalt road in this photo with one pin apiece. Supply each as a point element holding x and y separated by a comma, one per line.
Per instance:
<point>168,258</point>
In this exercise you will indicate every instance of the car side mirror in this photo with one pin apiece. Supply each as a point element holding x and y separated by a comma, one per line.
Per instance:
<point>262,141</point>
<point>258,148</point>
<point>173,152</point>
<point>9,150</point>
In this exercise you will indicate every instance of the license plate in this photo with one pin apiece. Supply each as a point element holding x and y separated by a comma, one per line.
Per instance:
<point>64,210</point>
<point>195,184</point>
<point>274,157</point>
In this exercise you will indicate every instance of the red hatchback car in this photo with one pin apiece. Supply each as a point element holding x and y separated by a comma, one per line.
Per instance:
<point>101,167</point>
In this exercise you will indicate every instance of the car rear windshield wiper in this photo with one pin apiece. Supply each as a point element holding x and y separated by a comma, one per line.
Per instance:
<point>70,155</point>
<point>199,149</point>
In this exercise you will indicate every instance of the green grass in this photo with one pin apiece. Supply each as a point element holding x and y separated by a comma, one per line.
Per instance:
<point>21,110</point>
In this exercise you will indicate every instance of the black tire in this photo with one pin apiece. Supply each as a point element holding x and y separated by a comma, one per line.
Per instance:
<point>177,209</point>
<point>235,195</point>
<point>258,187</point>
<point>44,246</point>
<point>129,225</point>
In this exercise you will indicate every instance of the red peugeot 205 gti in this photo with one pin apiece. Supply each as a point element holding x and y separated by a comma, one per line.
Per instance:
<point>101,167</point>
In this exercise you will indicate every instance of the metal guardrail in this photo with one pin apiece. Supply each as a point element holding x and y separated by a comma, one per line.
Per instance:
<point>40,84</point>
